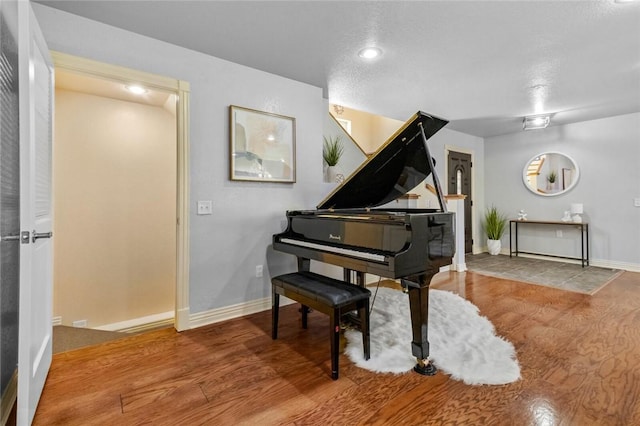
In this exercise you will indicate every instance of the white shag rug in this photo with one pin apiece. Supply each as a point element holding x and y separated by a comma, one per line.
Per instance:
<point>462,343</point>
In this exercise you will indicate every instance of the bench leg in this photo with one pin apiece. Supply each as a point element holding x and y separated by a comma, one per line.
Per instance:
<point>305,313</point>
<point>363,313</point>
<point>275,308</point>
<point>334,334</point>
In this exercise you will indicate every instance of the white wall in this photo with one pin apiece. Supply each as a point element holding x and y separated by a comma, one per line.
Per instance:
<point>226,246</point>
<point>607,152</point>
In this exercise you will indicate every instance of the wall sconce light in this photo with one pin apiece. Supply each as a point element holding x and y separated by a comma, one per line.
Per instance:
<point>339,109</point>
<point>536,122</point>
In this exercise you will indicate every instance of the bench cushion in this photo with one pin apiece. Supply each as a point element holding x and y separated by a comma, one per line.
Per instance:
<point>329,291</point>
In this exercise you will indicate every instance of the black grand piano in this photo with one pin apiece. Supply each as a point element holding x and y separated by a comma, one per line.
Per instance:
<point>410,244</point>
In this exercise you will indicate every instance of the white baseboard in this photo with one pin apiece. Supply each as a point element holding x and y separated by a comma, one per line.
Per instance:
<point>631,267</point>
<point>234,311</point>
<point>182,319</point>
<point>140,324</point>
<point>457,267</point>
<point>9,397</point>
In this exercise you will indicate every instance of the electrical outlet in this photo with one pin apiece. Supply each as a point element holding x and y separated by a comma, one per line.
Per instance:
<point>258,271</point>
<point>558,233</point>
<point>80,323</point>
<point>205,207</point>
<point>636,202</point>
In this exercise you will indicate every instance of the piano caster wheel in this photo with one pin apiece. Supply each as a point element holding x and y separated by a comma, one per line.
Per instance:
<point>425,367</point>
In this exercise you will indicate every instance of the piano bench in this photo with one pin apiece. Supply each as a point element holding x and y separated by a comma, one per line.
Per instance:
<point>327,295</point>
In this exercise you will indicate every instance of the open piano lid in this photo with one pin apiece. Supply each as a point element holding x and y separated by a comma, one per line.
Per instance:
<point>397,167</point>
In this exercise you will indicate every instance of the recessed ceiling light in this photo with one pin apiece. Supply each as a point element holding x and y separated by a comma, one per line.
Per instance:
<point>370,52</point>
<point>136,89</point>
<point>625,1</point>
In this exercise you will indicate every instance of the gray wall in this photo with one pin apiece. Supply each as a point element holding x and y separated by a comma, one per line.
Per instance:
<point>226,246</point>
<point>607,152</point>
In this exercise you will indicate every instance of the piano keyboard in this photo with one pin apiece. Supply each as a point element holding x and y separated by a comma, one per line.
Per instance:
<point>337,250</point>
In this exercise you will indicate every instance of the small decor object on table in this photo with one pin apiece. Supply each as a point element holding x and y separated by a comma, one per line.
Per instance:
<point>567,216</point>
<point>576,210</point>
<point>522,215</point>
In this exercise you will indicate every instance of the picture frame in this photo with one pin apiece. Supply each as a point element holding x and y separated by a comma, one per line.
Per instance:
<point>262,146</point>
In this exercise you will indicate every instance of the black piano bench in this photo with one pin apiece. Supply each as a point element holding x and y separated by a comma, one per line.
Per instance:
<point>327,295</point>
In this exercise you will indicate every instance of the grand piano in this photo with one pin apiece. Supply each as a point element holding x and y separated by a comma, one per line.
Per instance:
<point>348,230</point>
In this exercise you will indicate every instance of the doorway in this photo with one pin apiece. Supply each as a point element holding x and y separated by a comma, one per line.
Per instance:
<point>125,251</point>
<point>459,178</point>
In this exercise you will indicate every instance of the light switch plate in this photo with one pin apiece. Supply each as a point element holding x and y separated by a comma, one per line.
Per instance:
<point>205,207</point>
<point>636,202</point>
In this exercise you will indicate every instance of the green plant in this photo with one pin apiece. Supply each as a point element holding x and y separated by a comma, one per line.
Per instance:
<point>551,177</point>
<point>494,223</point>
<point>332,150</point>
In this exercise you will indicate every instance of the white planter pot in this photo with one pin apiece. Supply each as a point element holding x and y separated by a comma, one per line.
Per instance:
<point>494,246</point>
<point>332,172</point>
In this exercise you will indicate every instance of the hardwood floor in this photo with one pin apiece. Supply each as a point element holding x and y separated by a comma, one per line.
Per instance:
<point>579,356</point>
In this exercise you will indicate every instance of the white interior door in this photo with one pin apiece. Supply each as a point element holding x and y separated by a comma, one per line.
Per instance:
<point>35,326</point>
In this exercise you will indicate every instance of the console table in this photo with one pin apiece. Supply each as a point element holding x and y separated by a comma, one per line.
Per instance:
<point>584,237</point>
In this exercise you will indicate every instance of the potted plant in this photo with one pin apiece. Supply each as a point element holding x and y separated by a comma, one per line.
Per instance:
<point>551,178</point>
<point>331,153</point>
<point>494,224</point>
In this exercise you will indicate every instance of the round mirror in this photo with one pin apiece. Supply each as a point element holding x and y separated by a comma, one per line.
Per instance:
<point>550,173</point>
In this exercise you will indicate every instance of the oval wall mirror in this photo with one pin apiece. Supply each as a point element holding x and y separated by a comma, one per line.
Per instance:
<point>550,173</point>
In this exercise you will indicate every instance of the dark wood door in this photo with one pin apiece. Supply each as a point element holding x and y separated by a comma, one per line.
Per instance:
<point>459,182</point>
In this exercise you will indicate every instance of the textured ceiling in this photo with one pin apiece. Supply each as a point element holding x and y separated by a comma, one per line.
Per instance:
<point>483,65</point>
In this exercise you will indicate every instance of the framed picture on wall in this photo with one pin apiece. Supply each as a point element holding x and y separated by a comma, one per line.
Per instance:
<point>262,146</point>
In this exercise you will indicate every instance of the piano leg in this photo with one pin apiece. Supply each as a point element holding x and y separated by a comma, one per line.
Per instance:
<point>419,306</point>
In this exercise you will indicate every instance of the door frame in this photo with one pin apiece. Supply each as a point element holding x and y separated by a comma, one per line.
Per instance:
<point>181,89</point>
<point>447,150</point>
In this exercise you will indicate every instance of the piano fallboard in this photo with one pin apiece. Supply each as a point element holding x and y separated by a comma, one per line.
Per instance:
<point>392,244</point>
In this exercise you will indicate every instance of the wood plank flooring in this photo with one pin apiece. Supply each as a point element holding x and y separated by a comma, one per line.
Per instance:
<point>579,356</point>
